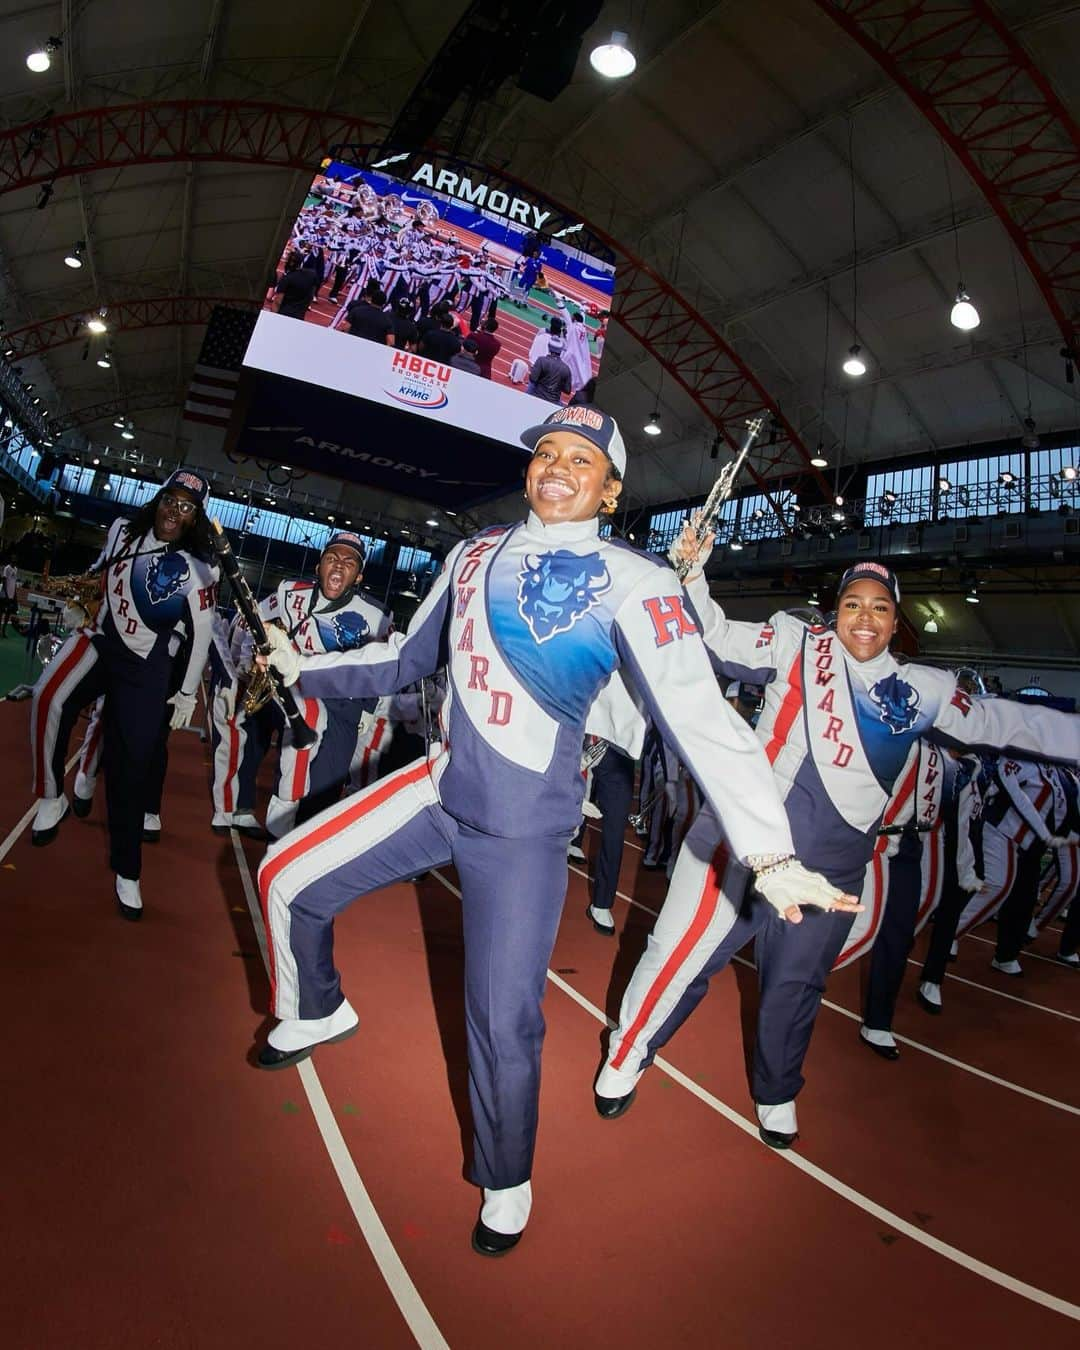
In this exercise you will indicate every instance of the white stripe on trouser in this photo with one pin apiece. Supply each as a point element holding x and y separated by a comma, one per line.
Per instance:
<point>699,912</point>
<point>328,850</point>
<point>57,694</point>
<point>90,751</point>
<point>933,874</point>
<point>372,742</point>
<point>999,871</point>
<point>230,738</point>
<point>288,789</point>
<point>874,896</point>
<point>1068,867</point>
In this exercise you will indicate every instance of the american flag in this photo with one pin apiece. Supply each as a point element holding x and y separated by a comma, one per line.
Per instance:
<point>213,384</point>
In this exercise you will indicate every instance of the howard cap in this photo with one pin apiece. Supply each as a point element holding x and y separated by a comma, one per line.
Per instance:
<point>191,482</point>
<point>590,423</point>
<point>871,571</point>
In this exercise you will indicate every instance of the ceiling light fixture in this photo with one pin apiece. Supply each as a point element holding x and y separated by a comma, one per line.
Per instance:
<point>96,324</point>
<point>943,485</point>
<point>736,544</point>
<point>964,315</point>
<point>930,626</point>
<point>128,433</point>
<point>73,257</point>
<point>854,365</point>
<point>1069,473</point>
<point>652,426</point>
<point>818,460</point>
<point>972,596</point>
<point>40,59</point>
<point>613,59</point>
<point>1030,439</point>
<point>119,422</point>
<point>105,360</point>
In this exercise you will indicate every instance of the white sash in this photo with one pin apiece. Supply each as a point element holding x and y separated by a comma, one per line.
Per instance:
<point>832,733</point>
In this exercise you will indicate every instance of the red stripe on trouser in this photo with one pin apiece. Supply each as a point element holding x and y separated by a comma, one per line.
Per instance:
<point>320,831</point>
<point>785,718</point>
<point>1063,890</point>
<point>703,915</point>
<point>1040,802</point>
<point>300,767</point>
<point>234,746</point>
<point>995,900</point>
<point>373,744</point>
<point>44,704</point>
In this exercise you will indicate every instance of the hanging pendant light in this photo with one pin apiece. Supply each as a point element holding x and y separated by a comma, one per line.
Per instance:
<point>964,314</point>
<point>854,365</point>
<point>613,59</point>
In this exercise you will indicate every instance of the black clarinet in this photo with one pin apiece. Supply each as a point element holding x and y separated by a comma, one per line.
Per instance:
<point>302,734</point>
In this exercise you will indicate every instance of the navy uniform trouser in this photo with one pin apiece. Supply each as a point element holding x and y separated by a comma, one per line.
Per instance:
<point>135,692</point>
<point>896,936</point>
<point>512,899</point>
<point>332,761</point>
<point>613,793</point>
<point>1015,914</point>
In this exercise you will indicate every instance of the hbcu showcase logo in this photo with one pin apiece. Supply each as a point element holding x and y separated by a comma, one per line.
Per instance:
<point>418,383</point>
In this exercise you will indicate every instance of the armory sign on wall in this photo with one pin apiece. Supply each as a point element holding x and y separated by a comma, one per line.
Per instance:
<point>481,195</point>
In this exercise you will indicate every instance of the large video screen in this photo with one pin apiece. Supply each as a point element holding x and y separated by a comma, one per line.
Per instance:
<point>450,280</point>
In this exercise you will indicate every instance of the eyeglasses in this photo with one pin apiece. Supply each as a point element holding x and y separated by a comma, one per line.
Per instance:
<point>179,504</point>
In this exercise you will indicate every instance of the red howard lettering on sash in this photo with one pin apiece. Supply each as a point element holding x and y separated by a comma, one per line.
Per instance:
<point>669,619</point>
<point>473,558</point>
<point>464,595</point>
<point>478,669</point>
<point>501,705</point>
<point>206,597</point>
<point>962,701</point>
<point>131,628</point>
<point>466,639</point>
<point>122,610</point>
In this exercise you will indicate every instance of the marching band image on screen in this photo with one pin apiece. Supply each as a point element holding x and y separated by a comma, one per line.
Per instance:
<point>408,267</point>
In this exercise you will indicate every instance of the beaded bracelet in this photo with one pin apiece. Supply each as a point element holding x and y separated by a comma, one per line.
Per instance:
<point>762,864</point>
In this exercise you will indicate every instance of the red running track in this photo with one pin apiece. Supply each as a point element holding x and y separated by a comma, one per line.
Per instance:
<point>162,1192</point>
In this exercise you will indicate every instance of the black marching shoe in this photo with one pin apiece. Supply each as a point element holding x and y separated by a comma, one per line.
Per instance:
<point>269,1058</point>
<point>82,806</point>
<point>776,1138</point>
<point>611,1108</point>
<point>39,838</point>
<point>605,930</point>
<point>486,1242</point>
<point>889,1052</point>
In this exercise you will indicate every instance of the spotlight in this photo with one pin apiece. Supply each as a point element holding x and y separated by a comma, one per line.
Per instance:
<point>613,59</point>
<point>943,485</point>
<point>652,426</point>
<point>96,323</point>
<point>1007,479</point>
<point>1069,473</point>
<point>736,544</point>
<point>40,60</point>
<point>972,596</point>
<point>930,626</point>
<point>855,365</point>
<point>964,314</point>
<point>433,523</point>
<point>105,360</point>
<point>1030,439</point>
<point>73,257</point>
<point>128,433</point>
<point>890,497</point>
<point>9,422</point>
<point>96,461</point>
<point>818,460</point>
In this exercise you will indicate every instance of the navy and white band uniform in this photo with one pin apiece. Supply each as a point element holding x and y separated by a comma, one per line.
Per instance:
<point>838,724</point>
<point>328,615</point>
<point>533,620</point>
<point>152,586</point>
<point>238,740</point>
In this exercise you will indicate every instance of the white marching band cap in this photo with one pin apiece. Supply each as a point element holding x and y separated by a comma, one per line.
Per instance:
<point>592,424</point>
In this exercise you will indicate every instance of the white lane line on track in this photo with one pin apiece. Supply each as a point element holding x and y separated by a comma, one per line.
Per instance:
<point>916,1045</point>
<point>9,842</point>
<point>826,1179</point>
<point>404,1293</point>
<point>1000,993</point>
<point>1026,953</point>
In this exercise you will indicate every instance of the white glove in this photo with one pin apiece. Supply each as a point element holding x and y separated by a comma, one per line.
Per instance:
<point>686,547</point>
<point>183,705</point>
<point>591,810</point>
<point>284,657</point>
<point>1056,841</point>
<point>969,882</point>
<point>794,885</point>
<point>225,698</point>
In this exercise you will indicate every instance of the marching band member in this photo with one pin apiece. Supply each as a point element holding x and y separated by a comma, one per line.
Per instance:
<point>157,577</point>
<point>839,722</point>
<point>1063,875</point>
<point>238,740</point>
<point>328,615</point>
<point>534,620</point>
<point>1016,828</point>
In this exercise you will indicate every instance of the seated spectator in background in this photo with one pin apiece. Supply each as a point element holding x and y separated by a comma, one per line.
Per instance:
<point>442,343</point>
<point>367,318</point>
<point>466,358</point>
<point>550,378</point>
<point>587,393</point>
<point>297,287</point>
<point>405,330</point>
<point>487,345</point>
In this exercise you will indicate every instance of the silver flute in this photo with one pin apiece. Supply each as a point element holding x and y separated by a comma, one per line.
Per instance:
<point>720,492</point>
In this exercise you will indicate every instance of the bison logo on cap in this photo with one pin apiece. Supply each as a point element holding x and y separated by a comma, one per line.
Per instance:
<point>558,588</point>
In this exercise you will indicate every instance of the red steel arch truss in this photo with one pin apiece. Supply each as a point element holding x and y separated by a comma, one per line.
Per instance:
<point>678,337</point>
<point>980,89</point>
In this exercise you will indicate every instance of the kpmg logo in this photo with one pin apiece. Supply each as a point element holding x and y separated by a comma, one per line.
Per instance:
<point>418,382</point>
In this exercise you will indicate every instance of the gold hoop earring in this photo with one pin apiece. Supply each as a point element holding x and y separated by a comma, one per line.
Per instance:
<point>609,507</point>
